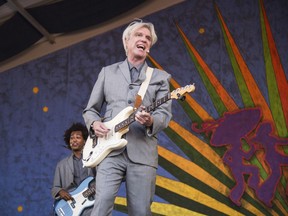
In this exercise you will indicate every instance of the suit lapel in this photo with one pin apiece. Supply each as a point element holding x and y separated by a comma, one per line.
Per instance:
<point>125,71</point>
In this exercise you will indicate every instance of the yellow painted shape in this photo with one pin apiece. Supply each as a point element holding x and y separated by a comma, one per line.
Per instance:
<point>163,208</point>
<point>201,174</point>
<point>45,109</point>
<point>195,195</point>
<point>35,90</point>
<point>200,146</point>
<point>20,208</point>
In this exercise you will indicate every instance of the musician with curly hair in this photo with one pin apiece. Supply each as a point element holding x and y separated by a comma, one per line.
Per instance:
<point>69,172</point>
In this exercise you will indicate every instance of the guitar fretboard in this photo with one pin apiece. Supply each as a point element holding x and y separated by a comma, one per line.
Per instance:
<point>150,108</point>
<point>157,103</point>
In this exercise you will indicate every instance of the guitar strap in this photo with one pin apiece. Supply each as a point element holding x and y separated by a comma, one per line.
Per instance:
<point>145,84</point>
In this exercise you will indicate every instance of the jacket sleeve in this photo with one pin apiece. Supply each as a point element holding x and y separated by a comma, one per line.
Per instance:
<point>63,177</point>
<point>92,111</point>
<point>57,185</point>
<point>162,114</point>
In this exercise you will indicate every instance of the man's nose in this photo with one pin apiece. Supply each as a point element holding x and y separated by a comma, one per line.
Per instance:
<point>144,39</point>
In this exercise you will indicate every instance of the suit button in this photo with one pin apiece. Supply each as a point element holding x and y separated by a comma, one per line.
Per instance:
<point>129,101</point>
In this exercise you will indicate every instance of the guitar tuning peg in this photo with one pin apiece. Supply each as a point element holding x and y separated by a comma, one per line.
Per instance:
<point>182,98</point>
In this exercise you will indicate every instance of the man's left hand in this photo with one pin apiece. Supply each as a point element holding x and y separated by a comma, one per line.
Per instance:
<point>144,117</point>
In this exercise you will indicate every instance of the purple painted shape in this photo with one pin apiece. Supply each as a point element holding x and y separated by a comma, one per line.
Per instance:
<point>230,130</point>
<point>264,138</point>
<point>245,124</point>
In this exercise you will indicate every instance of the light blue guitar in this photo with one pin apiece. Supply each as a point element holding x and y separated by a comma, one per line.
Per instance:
<point>82,198</point>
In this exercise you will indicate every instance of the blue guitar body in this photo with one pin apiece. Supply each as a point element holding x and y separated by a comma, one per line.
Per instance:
<point>82,199</point>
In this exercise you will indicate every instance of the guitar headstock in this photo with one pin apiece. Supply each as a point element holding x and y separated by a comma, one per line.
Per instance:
<point>180,92</point>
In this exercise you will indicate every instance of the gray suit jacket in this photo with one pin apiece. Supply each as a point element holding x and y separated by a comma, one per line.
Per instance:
<point>64,176</point>
<point>114,88</point>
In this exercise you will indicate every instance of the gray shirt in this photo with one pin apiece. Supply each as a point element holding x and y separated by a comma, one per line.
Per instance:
<point>80,172</point>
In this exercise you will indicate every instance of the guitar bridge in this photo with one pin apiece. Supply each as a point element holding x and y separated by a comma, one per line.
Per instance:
<point>94,142</point>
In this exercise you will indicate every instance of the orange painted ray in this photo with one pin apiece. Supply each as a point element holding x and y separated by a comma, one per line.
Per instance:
<point>201,112</point>
<point>223,94</point>
<point>255,92</point>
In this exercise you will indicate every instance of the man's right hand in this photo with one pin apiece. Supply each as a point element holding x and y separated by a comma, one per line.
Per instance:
<point>65,195</point>
<point>100,129</point>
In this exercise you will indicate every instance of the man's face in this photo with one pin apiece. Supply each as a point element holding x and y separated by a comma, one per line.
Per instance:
<point>77,141</point>
<point>139,43</point>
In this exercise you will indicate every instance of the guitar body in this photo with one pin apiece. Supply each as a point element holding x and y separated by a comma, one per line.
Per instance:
<point>80,202</point>
<point>94,154</point>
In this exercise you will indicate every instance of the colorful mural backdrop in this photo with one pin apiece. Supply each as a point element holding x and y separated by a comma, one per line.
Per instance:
<point>224,152</point>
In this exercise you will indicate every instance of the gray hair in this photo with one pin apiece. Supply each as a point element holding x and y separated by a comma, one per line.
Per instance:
<point>135,25</point>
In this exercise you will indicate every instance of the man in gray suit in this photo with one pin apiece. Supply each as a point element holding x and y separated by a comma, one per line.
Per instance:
<point>69,172</point>
<point>137,162</point>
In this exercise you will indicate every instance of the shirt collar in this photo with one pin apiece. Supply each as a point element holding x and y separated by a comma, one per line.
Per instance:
<point>139,67</point>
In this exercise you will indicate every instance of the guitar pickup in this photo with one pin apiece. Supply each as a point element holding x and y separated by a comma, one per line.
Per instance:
<point>73,203</point>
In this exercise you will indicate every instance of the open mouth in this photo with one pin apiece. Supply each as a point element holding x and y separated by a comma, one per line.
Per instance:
<point>74,144</point>
<point>140,46</point>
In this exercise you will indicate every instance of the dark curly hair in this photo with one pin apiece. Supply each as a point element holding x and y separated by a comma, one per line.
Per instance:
<point>75,127</point>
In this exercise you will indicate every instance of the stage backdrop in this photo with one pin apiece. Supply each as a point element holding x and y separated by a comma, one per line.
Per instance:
<point>224,152</point>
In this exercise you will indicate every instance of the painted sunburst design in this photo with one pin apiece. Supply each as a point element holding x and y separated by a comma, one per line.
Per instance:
<point>204,182</point>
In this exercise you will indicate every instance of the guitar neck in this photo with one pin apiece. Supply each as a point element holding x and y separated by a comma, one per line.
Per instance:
<point>157,103</point>
<point>148,109</point>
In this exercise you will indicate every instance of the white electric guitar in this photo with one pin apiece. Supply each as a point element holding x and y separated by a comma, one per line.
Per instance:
<point>96,149</point>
